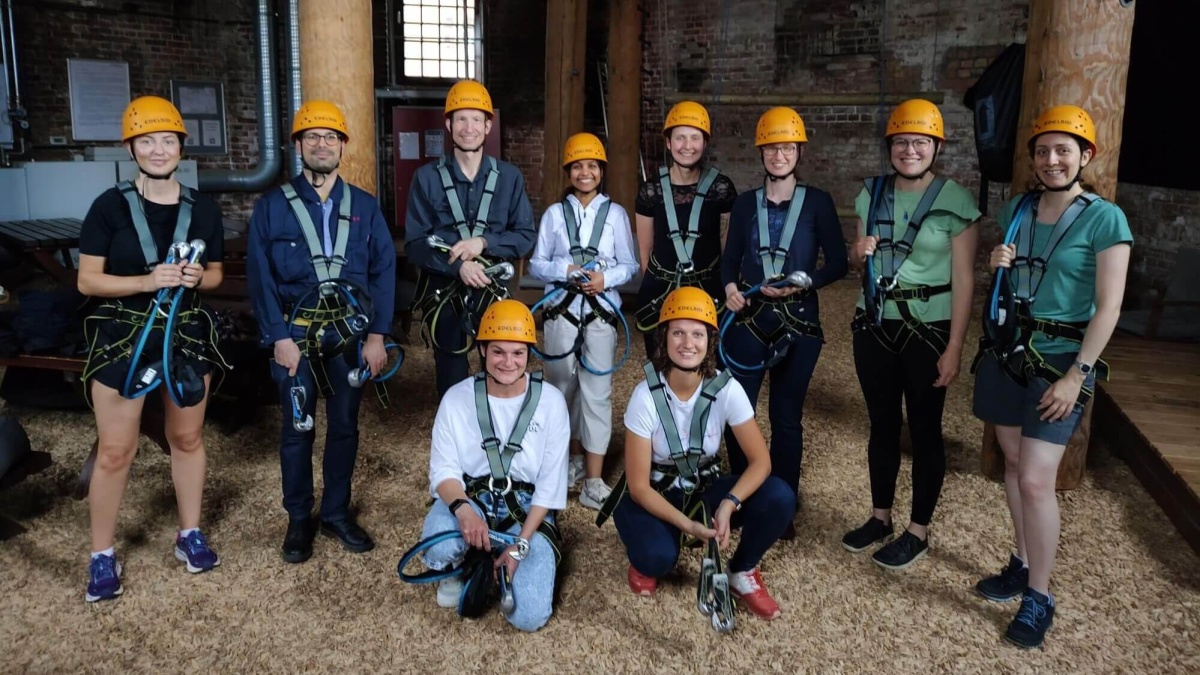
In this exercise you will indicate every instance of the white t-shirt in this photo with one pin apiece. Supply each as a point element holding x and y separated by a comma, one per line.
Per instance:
<point>457,441</point>
<point>731,407</point>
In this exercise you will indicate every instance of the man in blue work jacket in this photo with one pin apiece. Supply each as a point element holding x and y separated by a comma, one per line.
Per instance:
<point>477,205</point>
<point>321,268</point>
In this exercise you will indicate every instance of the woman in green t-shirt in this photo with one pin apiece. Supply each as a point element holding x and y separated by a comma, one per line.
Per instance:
<point>1047,318</point>
<point>917,243</point>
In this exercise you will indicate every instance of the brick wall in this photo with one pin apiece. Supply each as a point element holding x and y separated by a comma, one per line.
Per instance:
<point>160,41</point>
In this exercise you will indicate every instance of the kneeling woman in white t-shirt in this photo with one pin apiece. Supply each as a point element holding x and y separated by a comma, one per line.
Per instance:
<point>514,481</point>
<point>684,378</point>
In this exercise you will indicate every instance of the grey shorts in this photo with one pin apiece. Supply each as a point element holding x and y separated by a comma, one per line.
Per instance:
<point>1001,400</point>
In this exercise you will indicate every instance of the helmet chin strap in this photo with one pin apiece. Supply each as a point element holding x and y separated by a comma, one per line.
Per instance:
<point>164,176</point>
<point>773,178</point>
<point>319,176</point>
<point>1078,177</point>
<point>676,366</point>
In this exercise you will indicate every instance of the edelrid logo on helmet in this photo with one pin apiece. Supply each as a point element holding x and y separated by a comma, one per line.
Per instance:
<point>699,309</point>
<point>319,117</point>
<point>912,123</point>
<point>158,120</point>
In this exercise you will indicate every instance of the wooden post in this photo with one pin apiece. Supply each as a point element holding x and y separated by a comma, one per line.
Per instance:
<point>624,99</point>
<point>337,64</point>
<point>566,49</point>
<point>1077,53</point>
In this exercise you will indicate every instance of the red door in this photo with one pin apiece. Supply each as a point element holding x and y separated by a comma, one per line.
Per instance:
<point>421,137</point>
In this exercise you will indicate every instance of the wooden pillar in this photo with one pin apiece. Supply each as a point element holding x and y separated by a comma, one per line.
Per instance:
<point>566,49</point>
<point>624,99</point>
<point>1077,53</point>
<point>337,64</point>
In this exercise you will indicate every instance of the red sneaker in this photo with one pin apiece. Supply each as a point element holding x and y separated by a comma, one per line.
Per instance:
<point>641,584</point>
<point>749,588</point>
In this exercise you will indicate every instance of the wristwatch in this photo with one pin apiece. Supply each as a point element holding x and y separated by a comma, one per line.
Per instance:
<point>1085,368</point>
<point>737,503</point>
<point>454,506</point>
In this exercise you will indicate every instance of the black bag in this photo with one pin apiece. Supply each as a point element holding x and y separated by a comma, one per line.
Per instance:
<point>14,444</point>
<point>996,101</point>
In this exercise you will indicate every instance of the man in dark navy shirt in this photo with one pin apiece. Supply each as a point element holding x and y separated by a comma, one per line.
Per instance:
<point>476,203</point>
<point>316,228</point>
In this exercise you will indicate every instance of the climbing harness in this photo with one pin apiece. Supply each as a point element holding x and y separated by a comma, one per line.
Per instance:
<point>556,303</point>
<point>458,298</point>
<point>780,340</point>
<point>1009,324</point>
<point>881,282</point>
<point>684,242</point>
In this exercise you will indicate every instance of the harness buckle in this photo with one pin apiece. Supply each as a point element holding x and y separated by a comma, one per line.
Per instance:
<point>891,282</point>
<point>685,267</point>
<point>491,484</point>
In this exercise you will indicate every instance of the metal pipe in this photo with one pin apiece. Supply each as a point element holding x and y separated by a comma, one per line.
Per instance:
<point>15,82</point>
<point>270,159</point>
<point>297,98</point>
<point>390,16</point>
<point>4,58</point>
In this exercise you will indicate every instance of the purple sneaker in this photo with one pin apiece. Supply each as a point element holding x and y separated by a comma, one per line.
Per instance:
<point>193,550</point>
<point>104,579</point>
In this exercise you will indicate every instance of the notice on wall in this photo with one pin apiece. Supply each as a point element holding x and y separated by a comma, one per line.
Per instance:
<point>410,145</point>
<point>99,94</point>
<point>434,143</point>
<point>202,105</point>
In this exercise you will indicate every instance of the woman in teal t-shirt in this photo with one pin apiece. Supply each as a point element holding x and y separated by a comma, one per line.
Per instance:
<point>1032,383</point>
<point>917,243</point>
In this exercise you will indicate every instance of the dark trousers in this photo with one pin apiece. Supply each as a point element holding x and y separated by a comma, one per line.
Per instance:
<point>653,545</point>
<point>887,377</point>
<point>790,378</point>
<point>341,442</point>
<point>451,333</point>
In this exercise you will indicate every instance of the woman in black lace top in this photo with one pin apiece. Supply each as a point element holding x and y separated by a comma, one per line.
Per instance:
<point>691,257</point>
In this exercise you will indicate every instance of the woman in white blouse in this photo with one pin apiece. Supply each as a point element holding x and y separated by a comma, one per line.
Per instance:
<point>669,473</point>
<point>585,229</point>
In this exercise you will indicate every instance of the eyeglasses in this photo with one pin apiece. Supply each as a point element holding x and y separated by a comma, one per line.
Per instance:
<point>314,139</point>
<point>785,150</point>
<point>919,144</point>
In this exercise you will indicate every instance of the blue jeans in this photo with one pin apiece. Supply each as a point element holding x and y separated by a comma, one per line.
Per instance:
<point>789,387</point>
<point>653,545</point>
<point>341,441</point>
<point>532,583</point>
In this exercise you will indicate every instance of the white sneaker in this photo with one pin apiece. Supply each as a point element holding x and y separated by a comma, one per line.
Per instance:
<point>575,470</point>
<point>594,493</point>
<point>448,592</point>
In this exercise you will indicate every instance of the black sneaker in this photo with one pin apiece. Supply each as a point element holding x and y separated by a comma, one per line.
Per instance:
<point>1008,585</point>
<point>1029,628</point>
<point>872,532</point>
<point>902,553</point>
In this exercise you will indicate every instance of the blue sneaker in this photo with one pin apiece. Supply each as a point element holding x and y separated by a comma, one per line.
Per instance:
<point>1035,617</point>
<point>104,579</point>
<point>193,550</point>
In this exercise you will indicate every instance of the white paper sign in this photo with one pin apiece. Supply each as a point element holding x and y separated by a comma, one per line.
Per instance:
<point>433,143</point>
<point>410,145</point>
<point>99,94</point>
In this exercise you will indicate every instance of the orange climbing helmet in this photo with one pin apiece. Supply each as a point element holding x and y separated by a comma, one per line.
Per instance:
<point>916,116</point>
<point>689,302</point>
<point>469,95</point>
<point>507,320</point>
<point>148,114</point>
<point>583,146</point>
<point>687,114</point>
<point>780,125</point>
<point>319,115</point>
<point>1068,119</point>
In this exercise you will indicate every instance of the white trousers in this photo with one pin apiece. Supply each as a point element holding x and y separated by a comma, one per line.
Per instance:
<point>589,396</point>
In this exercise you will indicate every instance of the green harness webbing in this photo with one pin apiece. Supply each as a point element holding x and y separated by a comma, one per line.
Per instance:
<point>182,222</point>
<point>582,256</point>
<point>1021,359</point>
<point>467,230</point>
<point>579,254</point>
<point>685,242</point>
<point>773,258</point>
<point>646,317</point>
<point>326,267</point>
<point>500,459</point>
<point>881,222</point>
<point>895,253</point>
<point>686,470</point>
